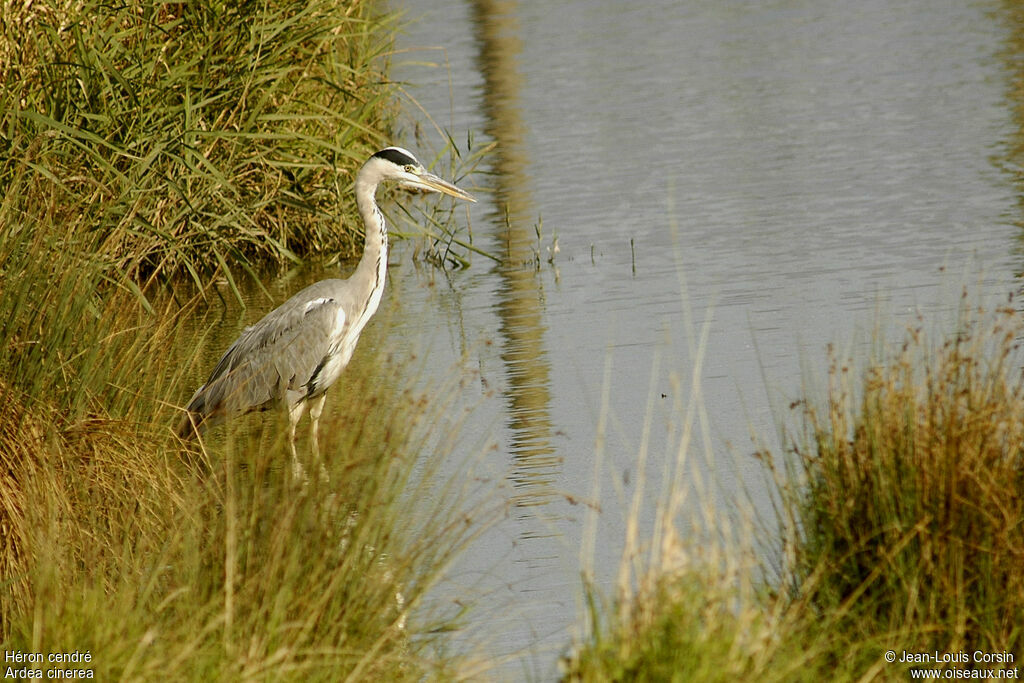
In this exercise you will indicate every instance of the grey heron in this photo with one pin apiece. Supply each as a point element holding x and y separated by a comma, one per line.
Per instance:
<point>295,353</point>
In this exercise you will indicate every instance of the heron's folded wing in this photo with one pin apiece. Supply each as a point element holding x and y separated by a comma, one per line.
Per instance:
<point>276,356</point>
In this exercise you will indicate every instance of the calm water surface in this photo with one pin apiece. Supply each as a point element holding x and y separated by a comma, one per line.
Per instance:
<point>778,172</point>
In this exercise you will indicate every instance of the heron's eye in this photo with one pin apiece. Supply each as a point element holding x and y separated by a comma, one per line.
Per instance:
<point>409,168</point>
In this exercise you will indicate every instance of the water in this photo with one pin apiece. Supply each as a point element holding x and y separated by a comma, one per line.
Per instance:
<point>784,173</point>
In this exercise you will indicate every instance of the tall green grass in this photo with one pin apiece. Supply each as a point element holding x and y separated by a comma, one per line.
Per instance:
<point>167,138</point>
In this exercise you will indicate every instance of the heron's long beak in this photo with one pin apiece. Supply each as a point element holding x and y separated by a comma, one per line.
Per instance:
<point>429,181</point>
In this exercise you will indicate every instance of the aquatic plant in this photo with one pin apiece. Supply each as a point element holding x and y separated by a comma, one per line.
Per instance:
<point>903,498</point>
<point>900,527</point>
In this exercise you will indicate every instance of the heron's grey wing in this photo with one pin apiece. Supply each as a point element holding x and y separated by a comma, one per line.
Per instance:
<point>273,360</point>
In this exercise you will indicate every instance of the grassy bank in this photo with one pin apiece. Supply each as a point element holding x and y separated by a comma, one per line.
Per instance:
<point>116,541</point>
<point>911,521</point>
<point>902,522</point>
<point>140,142</point>
<point>169,138</point>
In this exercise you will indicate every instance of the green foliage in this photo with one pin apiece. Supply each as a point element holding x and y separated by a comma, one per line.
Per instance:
<point>912,519</point>
<point>693,627</point>
<point>902,526</point>
<point>170,137</point>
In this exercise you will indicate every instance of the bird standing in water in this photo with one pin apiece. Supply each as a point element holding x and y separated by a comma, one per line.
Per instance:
<point>297,351</point>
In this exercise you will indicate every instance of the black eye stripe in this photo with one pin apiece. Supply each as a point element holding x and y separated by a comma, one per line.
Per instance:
<point>396,157</point>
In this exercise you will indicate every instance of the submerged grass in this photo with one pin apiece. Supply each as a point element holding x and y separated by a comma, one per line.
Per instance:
<point>902,520</point>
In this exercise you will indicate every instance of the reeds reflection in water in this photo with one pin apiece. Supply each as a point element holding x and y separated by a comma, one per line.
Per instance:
<point>520,294</point>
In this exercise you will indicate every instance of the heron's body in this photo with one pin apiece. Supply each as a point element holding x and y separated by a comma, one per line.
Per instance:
<point>295,353</point>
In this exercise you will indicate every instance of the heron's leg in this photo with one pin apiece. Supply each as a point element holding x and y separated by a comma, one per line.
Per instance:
<point>315,410</point>
<point>294,415</point>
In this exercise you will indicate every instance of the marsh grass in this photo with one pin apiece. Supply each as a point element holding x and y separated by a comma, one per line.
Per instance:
<point>904,495</point>
<point>433,223</point>
<point>901,521</point>
<point>182,138</point>
<point>688,601</point>
<point>174,565</point>
<point>141,142</point>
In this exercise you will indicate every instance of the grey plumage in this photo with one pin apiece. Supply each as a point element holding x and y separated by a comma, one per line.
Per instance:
<point>297,351</point>
<point>280,357</point>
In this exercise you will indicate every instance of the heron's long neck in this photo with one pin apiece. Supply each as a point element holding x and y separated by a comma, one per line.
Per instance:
<point>373,265</point>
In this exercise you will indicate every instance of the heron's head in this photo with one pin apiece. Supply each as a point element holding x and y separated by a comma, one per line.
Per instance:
<point>395,163</point>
